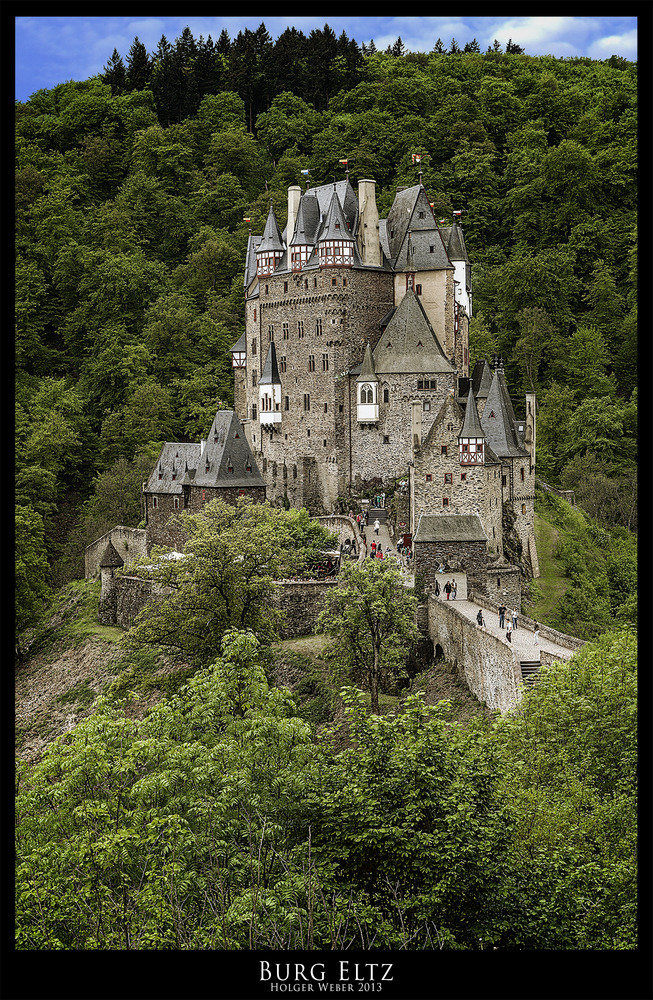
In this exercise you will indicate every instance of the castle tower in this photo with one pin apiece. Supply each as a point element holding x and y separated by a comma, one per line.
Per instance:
<point>367,391</point>
<point>471,440</point>
<point>270,250</point>
<point>302,238</point>
<point>335,244</point>
<point>270,391</point>
<point>368,224</point>
<point>109,563</point>
<point>294,196</point>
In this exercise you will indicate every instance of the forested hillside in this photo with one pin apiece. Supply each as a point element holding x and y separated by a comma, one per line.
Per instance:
<point>132,192</point>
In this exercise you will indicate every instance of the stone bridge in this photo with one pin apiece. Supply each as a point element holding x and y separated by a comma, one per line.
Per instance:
<point>494,669</point>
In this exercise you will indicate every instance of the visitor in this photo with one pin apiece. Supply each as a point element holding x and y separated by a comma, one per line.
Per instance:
<point>437,589</point>
<point>514,618</point>
<point>454,589</point>
<point>354,550</point>
<point>447,589</point>
<point>509,632</point>
<point>480,619</point>
<point>376,526</point>
<point>373,548</point>
<point>536,634</point>
<point>502,615</point>
<point>379,552</point>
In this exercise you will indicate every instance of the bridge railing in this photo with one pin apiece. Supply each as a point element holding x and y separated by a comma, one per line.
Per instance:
<point>560,638</point>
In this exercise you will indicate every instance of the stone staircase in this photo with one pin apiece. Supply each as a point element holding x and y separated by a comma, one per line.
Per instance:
<point>378,513</point>
<point>530,671</point>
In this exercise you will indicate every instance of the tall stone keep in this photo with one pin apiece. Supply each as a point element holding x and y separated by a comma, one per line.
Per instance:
<point>368,224</point>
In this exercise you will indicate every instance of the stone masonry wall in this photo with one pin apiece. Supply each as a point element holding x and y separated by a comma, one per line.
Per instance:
<point>302,601</point>
<point>488,665</point>
<point>128,543</point>
<point>164,526</point>
<point>503,584</point>
<point>471,556</point>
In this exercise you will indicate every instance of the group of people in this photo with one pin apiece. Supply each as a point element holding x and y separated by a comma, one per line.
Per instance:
<point>511,625</point>
<point>450,589</point>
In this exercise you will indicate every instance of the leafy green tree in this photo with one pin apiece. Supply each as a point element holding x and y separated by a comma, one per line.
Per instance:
<point>138,66</point>
<point>371,617</point>
<point>114,73</point>
<point>232,558</point>
<point>32,592</point>
<point>289,122</point>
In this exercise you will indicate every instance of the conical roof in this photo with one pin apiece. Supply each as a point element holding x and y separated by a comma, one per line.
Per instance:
<point>408,343</point>
<point>250,260</point>
<point>471,427</point>
<point>308,219</point>
<point>241,343</point>
<point>110,558</point>
<point>367,368</point>
<point>456,243</point>
<point>335,225</point>
<point>481,379</point>
<point>498,420</point>
<point>271,239</point>
<point>270,373</point>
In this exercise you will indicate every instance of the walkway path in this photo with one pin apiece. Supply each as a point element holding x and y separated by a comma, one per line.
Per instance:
<point>523,642</point>
<point>389,550</point>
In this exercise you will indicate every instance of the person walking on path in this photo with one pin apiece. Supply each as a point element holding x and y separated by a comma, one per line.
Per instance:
<point>447,589</point>
<point>373,548</point>
<point>509,632</point>
<point>536,634</point>
<point>480,619</point>
<point>514,619</point>
<point>379,552</point>
<point>376,526</point>
<point>502,615</point>
<point>437,589</point>
<point>454,589</point>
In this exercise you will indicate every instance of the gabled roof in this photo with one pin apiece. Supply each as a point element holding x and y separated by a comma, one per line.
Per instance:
<point>367,368</point>
<point>226,445</point>
<point>271,239</point>
<point>408,343</point>
<point>498,420</point>
<point>110,559</point>
<point>308,220</point>
<point>481,379</point>
<point>241,343</point>
<point>404,216</point>
<point>449,528</point>
<point>335,225</point>
<point>250,260</point>
<point>471,427</point>
<point>346,197</point>
<point>415,253</point>
<point>270,373</point>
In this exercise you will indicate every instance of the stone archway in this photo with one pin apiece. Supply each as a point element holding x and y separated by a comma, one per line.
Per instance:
<point>438,653</point>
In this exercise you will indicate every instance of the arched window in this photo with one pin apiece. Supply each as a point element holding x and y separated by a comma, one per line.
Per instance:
<point>367,393</point>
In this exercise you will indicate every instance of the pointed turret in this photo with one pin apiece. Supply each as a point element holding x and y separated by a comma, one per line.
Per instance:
<point>270,249</point>
<point>408,343</point>
<point>270,390</point>
<point>303,237</point>
<point>239,352</point>
<point>335,243</point>
<point>498,421</point>
<point>471,440</point>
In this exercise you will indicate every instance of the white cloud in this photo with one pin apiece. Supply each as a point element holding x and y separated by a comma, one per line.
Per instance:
<point>619,45</point>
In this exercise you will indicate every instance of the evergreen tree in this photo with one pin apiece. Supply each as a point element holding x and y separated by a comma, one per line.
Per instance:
<point>139,68</point>
<point>288,63</point>
<point>455,48</point>
<point>472,46</point>
<point>321,52</point>
<point>439,47</point>
<point>513,49</point>
<point>398,49</point>
<point>114,73</point>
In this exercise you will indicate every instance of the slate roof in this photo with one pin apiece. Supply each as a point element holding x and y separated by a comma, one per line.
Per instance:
<point>225,445</point>
<point>271,239</point>
<point>110,558</point>
<point>415,252</point>
<point>408,343</point>
<point>449,528</point>
<point>346,197</point>
<point>498,420</point>
<point>481,379</point>
<point>241,343</point>
<point>250,260</point>
<point>367,368</point>
<point>308,220</point>
<point>471,427</point>
<point>454,241</point>
<point>424,233</point>
<point>336,226</point>
<point>270,373</point>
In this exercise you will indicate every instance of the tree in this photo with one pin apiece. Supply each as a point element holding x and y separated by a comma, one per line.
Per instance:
<point>455,49</point>
<point>472,46</point>
<point>513,49</point>
<point>32,593</point>
<point>535,330</point>
<point>114,73</point>
<point>439,47</point>
<point>371,616</point>
<point>139,68</point>
<point>232,558</point>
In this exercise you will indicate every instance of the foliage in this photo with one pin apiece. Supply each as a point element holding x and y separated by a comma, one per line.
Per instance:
<point>371,616</point>
<point>226,579</point>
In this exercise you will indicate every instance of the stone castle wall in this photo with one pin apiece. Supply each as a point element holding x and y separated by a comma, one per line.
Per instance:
<point>128,543</point>
<point>164,523</point>
<point>471,556</point>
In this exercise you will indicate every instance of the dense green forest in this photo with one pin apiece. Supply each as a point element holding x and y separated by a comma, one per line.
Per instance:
<point>132,191</point>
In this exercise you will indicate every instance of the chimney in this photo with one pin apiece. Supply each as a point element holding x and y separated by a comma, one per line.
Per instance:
<point>294,194</point>
<point>368,223</point>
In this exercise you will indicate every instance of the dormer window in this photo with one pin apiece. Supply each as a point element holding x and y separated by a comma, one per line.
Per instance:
<point>367,393</point>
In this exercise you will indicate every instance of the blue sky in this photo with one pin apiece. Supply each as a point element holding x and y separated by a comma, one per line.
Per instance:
<point>50,50</point>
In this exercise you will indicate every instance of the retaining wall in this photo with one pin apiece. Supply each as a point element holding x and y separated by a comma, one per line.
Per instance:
<point>128,543</point>
<point>301,601</point>
<point>490,669</point>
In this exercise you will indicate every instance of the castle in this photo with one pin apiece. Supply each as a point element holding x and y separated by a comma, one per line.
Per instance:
<point>353,372</point>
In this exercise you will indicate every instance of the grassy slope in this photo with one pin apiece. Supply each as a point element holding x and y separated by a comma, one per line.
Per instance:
<point>551,583</point>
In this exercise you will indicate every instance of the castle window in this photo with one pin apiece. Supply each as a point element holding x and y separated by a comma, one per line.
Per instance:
<point>253,347</point>
<point>311,362</point>
<point>344,285</point>
<point>282,364</point>
<point>522,473</point>
<point>445,501</point>
<point>429,477</point>
<point>318,326</point>
<point>449,427</point>
<point>503,481</point>
<point>314,286</point>
<point>253,411</point>
<point>324,442</point>
<point>248,467</point>
<point>308,433</point>
<point>285,331</point>
<point>426,405</point>
<point>448,477</point>
<point>523,508</point>
<point>386,439</point>
<point>421,215</point>
<point>160,475</point>
<point>286,404</point>
<point>392,233</point>
<point>307,402</point>
<point>230,468</point>
<point>386,395</point>
<point>418,289</point>
<point>255,313</point>
<point>271,331</point>
<point>266,289</point>
<point>155,502</point>
<point>325,407</point>
<point>367,394</point>
<point>300,328</point>
<point>334,281</point>
<point>325,362</point>
<point>443,450</point>
<point>306,284</point>
<point>294,472</point>
<point>174,475</point>
<point>254,378</point>
<point>431,249</point>
<point>463,477</point>
<point>285,286</point>
<point>341,408</point>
